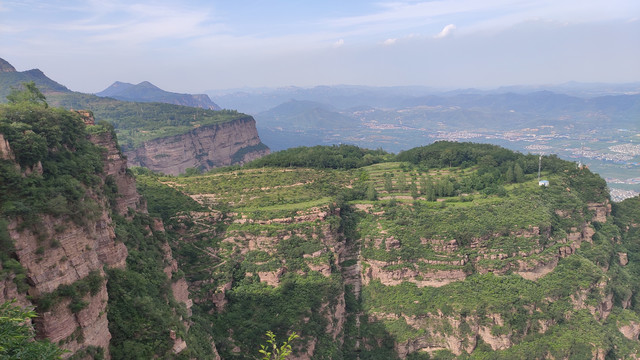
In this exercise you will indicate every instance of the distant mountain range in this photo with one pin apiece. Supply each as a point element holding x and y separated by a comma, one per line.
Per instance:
<point>343,97</point>
<point>10,77</point>
<point>147,92</point>
<point>172,130</point>
<point>401,118</point>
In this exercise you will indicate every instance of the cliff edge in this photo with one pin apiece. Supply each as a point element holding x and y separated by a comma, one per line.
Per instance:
<point>205,147</point>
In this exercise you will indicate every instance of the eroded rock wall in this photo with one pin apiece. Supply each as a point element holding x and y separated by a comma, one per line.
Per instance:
<point>206,147</point>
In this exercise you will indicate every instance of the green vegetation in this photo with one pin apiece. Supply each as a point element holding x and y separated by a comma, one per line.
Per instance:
<point>471,209</point>
<point>55,140</point>
<point>163,201</point>
<point>136,123</point>
<point>142,311</point>
<point>322,157</point>
<point>17,338</point>
<point>91,284</point>
<point>277,352</point>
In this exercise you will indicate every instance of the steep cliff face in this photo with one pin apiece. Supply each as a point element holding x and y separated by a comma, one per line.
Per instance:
<point>61,250</point>
<point>115,173</point>
<point>62,254</point>
<point>206,147</point>
<point>212,291</point>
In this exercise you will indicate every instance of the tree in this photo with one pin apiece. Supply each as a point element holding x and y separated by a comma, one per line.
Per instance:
<point>518,173</point>
<point>388,182</point>
<point>509,177</point>
<point>17,336</point>
<point>278,352</point>
<point>423,185</point>
<point>402,182</point>
<point>371,194</point>
<point>29,93</point>
<point>414,189</point>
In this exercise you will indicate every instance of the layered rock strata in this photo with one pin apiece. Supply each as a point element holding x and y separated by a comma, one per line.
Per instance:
<point>206,147</point>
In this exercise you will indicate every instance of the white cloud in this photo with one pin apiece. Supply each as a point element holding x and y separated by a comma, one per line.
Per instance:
<point>338,43</point>
<point>446,31</point>
<point>390,41</point>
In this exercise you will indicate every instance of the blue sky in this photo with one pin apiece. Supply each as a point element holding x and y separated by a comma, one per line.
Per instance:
<point>192,46</point>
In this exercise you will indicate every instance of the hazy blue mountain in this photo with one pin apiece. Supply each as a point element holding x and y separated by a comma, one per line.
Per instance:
<point>147,92</point>
<point>296,114</point>
<point>10,77</point>
<point>254,101</point>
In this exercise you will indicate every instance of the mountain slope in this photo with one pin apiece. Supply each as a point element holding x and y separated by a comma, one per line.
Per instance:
<point>139,123</point>
<point>451,251</point>
<point>77,243</point>
<point>9,78</point>
<point>147,92</point>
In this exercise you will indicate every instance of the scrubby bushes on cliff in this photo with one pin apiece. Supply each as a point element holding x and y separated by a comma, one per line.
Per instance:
<point>255,308</point>
<point>91,284</point>
<point>17,337</point>
<point>142,310</point>
<point>56,139</point>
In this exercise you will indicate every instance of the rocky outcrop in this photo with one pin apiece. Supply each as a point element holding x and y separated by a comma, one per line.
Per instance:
<point>206,147</point>
<point>115,171</point>
<point>88,327</point>
<point>600,211</point>
<point>630,330</point>
<point>71,254</point>
<point>388,274</point>
<point>5,150</point>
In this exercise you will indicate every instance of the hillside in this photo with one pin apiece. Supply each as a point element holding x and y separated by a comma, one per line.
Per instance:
<point>77,244</point>
<point>446,251</point>
<point>147,92</point>
<point>451,250</point>
<point>141,125</point>
<point>10,77</point>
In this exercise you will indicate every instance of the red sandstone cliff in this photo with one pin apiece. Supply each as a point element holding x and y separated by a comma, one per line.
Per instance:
<point>62,252</point>
<point>206,147</point>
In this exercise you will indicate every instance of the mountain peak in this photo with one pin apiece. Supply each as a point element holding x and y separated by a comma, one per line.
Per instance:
<point>147,85</point>
<point>5,66</point>
<point>147,92</point>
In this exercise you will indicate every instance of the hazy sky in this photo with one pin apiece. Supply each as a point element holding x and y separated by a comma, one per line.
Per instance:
<point>192,46</point>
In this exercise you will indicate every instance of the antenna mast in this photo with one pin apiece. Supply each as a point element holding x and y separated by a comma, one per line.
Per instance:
<point>539,166</point>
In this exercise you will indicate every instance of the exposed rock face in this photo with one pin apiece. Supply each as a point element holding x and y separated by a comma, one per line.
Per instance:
<point>206,147</point>
<point>62,252</point>
<point>115,167</point>
<point>631,330</point>
<point>377,270</point>
<point>623,258</point>
<point>601,211</point>
<point>5,150</point>
<point>76,331</point>
<point>74,252</point>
